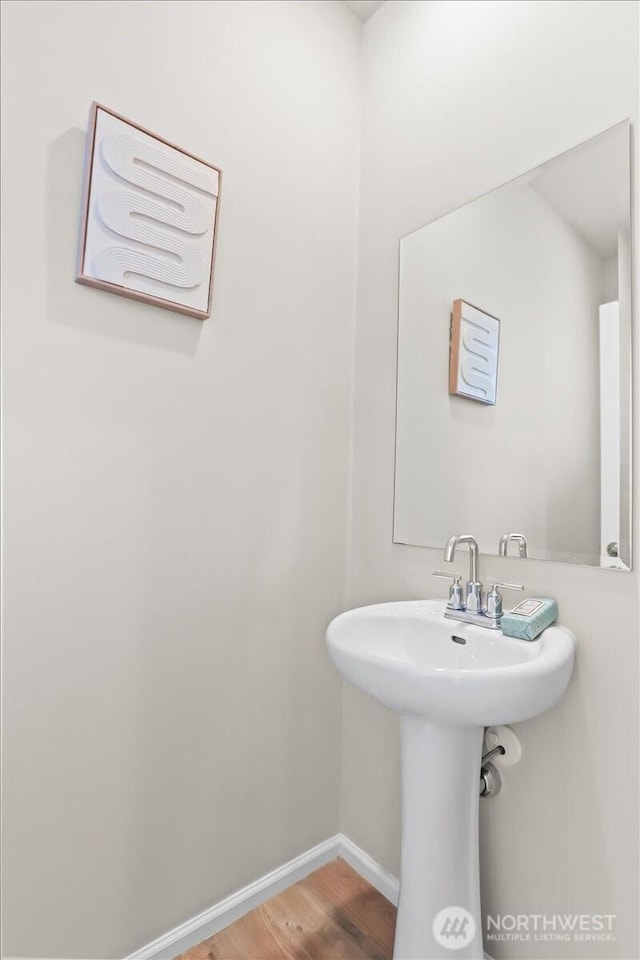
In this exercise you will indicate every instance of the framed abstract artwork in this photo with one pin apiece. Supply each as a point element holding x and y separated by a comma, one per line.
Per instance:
<point>473,353</point>
<point>149,217</point>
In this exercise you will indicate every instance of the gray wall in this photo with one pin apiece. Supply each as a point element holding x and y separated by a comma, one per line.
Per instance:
<point>176,492</point>
<point>458,98</point>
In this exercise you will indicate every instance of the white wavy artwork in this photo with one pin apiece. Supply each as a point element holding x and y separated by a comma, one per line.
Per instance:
<point>474,353</point>
<point>149,219</point>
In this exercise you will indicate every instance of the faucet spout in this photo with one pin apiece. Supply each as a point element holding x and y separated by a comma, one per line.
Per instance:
<point>450,552</point>
<point>450,549</point>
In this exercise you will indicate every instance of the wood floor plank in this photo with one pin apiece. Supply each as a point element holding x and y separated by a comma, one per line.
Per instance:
<point>310,932</point>
<point>333,914</point>
<point>352,901</point>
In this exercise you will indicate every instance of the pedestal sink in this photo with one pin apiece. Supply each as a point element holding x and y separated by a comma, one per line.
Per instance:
<point>449,681</point>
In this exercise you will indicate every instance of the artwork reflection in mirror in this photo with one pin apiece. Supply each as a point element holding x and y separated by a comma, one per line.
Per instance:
<point>473,353</point>
<point>547,448</point>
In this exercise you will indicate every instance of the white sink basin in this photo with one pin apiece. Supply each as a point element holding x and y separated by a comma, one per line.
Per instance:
<point>403,654</point>
<point>448,680</point>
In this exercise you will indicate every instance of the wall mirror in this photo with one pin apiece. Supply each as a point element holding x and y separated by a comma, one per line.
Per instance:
<point>514,364</point>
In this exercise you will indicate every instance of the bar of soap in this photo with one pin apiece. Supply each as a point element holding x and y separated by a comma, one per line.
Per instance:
<point>529,619</point>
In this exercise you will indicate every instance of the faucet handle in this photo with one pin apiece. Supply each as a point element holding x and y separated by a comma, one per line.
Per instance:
<point>494,597</point>
<point>455,591</point>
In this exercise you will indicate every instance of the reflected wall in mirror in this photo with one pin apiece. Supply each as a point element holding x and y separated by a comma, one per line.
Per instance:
<point>549,255</point>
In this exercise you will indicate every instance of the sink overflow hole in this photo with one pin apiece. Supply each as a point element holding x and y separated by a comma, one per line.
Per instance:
<point>458,639</point>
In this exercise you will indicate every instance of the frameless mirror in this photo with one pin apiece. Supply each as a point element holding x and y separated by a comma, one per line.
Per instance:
<point>514,364</point>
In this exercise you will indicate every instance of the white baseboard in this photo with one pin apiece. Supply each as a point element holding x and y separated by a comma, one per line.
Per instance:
<point>384,882</point>
<point>220,915</point>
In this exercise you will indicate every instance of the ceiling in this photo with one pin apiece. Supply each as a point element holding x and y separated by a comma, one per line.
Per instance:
<point>364,9</point>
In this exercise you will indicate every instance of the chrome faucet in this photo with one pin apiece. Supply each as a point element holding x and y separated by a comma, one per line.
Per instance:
<point>519,538</point>
<point>471,609</point>
<point>473,596</point>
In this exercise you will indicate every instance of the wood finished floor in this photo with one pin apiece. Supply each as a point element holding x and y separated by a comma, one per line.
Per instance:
<point>333,914</point>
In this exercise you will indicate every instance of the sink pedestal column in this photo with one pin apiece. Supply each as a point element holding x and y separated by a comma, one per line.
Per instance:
<point>440,858</point>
